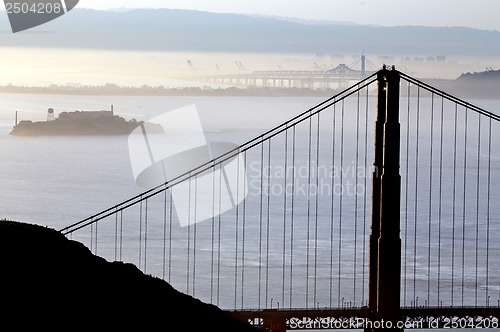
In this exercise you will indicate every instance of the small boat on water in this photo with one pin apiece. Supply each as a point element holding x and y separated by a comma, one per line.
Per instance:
<point>77,123</point>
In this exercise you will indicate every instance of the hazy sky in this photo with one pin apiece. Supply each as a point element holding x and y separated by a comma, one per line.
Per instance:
<point>482,14</point>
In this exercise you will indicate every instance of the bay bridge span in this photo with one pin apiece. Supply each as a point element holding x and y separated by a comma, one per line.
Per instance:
<point>340,76</point>
<point>363,212</point>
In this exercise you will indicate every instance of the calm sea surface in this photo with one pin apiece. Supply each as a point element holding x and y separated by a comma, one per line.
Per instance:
<point>56,181</point>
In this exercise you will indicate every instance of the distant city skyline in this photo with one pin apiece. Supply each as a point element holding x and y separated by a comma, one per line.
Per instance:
<point>479,14</point>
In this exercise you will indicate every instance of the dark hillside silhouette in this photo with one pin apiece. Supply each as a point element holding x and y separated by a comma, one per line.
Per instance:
<point>50,281</point>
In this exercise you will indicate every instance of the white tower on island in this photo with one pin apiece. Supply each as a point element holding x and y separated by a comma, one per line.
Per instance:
<point>50,114</point>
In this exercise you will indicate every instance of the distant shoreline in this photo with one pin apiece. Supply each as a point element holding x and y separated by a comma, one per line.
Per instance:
<point>115,90</point>
<point>474,88</point>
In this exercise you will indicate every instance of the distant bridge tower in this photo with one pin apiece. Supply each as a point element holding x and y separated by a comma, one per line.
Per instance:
<point>50,114</point>
<point>363,66</point>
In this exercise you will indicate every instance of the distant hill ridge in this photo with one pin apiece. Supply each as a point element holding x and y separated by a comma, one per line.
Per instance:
<point>489,74</point>
<point>189,30</point>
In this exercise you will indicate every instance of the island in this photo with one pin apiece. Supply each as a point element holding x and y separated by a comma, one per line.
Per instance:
<point>77,123</point>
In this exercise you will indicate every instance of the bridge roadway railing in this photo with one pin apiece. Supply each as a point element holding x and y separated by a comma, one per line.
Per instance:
<point>424,318</point>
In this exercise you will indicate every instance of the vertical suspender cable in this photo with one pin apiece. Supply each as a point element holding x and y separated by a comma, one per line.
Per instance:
<point>440,213</point>
<point>454,208</point>
<point>96,236</point>
<point>464,204</point>
<point>292,208</point>
<point>407,180</point>
<point>365,203</point>
<point>477,202</point>
<point>236,233</point>
<point>488,219</point>
<point>121,235</point>
<point>317,195</point>
<point>164,233</point>
<point>285,197</point>
<point>332,208</point>
<point>417,161</point>
<point>261,217</point>
<point>116,235</point>
<point>188,267</point>
<point>431,162</point>
<point>170,210</point>
<point>195,227</point>
<point>140,233</point>
<point>243,232</point>
<point>214,213</point>
<point>356,201</point>
<point>92,238</point>
<point>308,208</point>
<point>341,202</point>
<point>145,235</point>
<point>219,248</point>
<point>268,221</point>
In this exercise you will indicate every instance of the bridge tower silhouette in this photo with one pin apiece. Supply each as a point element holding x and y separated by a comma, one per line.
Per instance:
<point>385,243</point>
<point>297,253</point>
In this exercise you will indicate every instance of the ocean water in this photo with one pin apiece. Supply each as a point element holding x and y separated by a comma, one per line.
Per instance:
<point>56,181</point>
